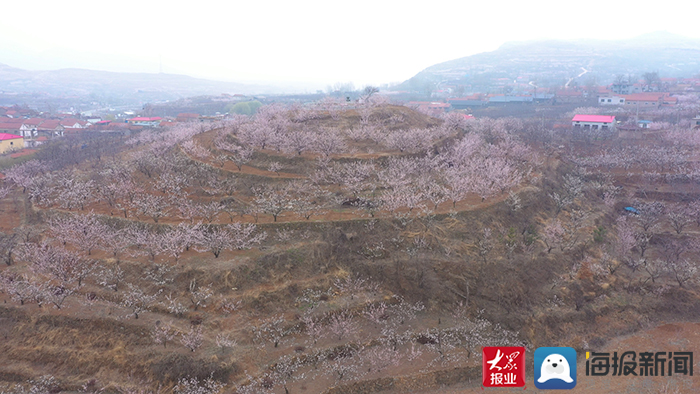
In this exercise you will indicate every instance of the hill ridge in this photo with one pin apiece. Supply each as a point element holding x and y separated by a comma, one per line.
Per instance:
<point>552,61</point>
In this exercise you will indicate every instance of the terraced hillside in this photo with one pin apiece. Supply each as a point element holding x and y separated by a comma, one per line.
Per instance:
<point>331,249</point>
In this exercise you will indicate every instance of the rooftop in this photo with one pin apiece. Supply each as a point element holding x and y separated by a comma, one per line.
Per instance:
<point>5,136</point>
<point>593,118</point>
<point>144,119</point>
<point>10,126</point>
<point>644,96</point>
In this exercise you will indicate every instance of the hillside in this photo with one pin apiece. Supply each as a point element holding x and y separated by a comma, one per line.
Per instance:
<point>335,248</point>
<point>116,87</point>
<point>554,62</point>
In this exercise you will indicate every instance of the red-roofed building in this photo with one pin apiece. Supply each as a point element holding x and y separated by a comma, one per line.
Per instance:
<point>603,91</point>
<point>649,100</point>
<point>593,122</point>
<point>102,125</point>
<point>10,120</point>
<point>669,101</point>
<point>73,123</point>
<point>10,142</point>
<point>115,127</point>
<point>51,127</point>
<point>7,127</point>
<point>144,121</point>
<point>33,121</point>
<point>30,127</point>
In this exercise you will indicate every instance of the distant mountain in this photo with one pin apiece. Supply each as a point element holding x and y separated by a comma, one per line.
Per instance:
<point>554,62</point>
<point>105,86</point>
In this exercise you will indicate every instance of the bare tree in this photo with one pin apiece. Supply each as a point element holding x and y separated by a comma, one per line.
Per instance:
<point>683,271</point>
<point>655,268</point>
<point>679,217</point>
<point>8,244</point>
<point>368,92</point>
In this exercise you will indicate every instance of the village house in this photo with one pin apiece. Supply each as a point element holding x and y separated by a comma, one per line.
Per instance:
<point>649,100</point>
<point>167,123</point>
<point>467,102</point>
<point>107,126</point>
<point>72,123</point>
<point>626,88</point>
<point>569,96</point>
<point>432,107</point>
<point>11,126</point>
<point>51,128</point>
<point>689,85</point>
<point>34,142</point>
<point>593,122</point>
<point>601,91</point>
<point>10,142</point>
<point>611,100</point>
<point>145,121</point>
<point>33,127</point>
<point>30,127</point>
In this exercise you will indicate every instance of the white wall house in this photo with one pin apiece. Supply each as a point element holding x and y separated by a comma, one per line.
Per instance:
<point>593,122</point>
<point>28,130</point>
<point>611,100</point>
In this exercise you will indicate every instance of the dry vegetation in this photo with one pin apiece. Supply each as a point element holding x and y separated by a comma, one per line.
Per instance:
<point>335,250</point>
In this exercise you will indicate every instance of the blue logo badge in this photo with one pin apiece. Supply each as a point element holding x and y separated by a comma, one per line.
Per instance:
<point>555,368</point>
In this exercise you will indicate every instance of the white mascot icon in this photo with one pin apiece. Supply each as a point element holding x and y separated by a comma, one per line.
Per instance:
<point>555,366</point>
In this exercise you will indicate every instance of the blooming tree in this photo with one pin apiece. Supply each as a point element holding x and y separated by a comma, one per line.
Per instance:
<point>272,329</point>
<point>195,386</point>
<point>193,339</point>
<point>137,300</point>
<point>163,333</point>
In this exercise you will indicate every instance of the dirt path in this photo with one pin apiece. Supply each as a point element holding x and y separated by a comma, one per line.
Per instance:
<point>339,214</point>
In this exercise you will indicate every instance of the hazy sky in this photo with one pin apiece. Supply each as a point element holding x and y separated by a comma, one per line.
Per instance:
<point>312,42</point>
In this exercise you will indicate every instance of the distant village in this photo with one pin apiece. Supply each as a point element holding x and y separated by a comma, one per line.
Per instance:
<point>654,95</point>
<point>26,128</point>
<point>23,128</point>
